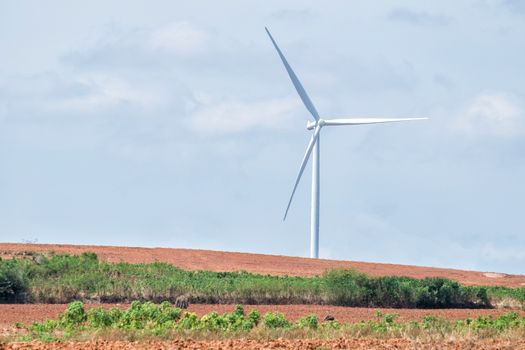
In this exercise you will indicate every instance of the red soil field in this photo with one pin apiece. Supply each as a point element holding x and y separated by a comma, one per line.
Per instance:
<point>306,344</point>
<point>190,259</point>
<point>193,259</point>
<point>29,313</point>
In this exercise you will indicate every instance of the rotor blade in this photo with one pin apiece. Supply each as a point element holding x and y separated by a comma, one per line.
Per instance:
<point>300,90</point>
<point>360,121</point>
<point>313,140</point>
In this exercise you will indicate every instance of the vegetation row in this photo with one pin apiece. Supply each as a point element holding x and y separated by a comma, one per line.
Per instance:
<point>147,320</point>
<point>65,278</point>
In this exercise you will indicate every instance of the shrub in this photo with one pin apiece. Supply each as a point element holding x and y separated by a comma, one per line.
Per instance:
<point>234,321</point>
<point>45,327</point>
<point>347,287</point>
<point>13,284</point>
<point>351,288</point>
<point>139,315</point>
<point>276,320</point>
<point>390,318</point>
<point>101,318</point>
<point>239,310</point>
<point>168,313</point>
<point>188,321</point>
<point>247,325</point>
<point>254,316</point>
<point>213,322</point>
<point>98,318</point>
<point>309,322</point>
<point>74,315</point>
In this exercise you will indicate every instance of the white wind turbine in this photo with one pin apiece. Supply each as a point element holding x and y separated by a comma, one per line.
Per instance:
<point>314,146</point>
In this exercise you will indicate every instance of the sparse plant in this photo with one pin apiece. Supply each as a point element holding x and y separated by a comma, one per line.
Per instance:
<point>390,318</point>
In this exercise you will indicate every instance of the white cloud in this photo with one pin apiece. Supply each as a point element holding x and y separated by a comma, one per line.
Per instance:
<point>49,95</point>
<point>418,17</point>
<point>179,38</point>
<point>107,92</point>
<point>492,114</point>
<point>238,116</point>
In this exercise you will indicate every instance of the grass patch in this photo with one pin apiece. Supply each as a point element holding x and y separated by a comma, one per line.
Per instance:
<point>64,278</point>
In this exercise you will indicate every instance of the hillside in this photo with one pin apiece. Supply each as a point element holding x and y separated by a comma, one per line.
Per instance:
<point>193,259</point>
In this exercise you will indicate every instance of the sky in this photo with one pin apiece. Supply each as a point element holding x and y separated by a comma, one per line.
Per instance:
<point>174,124</point>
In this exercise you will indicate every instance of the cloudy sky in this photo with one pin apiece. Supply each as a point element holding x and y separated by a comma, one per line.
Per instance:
<point>174,124</point>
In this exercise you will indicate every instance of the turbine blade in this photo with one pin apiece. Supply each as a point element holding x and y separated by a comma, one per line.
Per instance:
<point>300,90</point>
<point>360,121</point>
<point>313,140</point>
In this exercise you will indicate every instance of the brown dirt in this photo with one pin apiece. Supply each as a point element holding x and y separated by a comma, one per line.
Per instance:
<point>29,313</point>
<point>309,344</point>
<point>192,259</point>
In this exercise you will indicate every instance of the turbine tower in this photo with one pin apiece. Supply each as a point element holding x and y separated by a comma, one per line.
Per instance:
<point>314,146</point>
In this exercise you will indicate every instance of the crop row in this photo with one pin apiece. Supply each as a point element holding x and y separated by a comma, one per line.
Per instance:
<point>148,320</point>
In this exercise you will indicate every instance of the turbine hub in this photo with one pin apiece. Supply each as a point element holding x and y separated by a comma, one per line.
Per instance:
<point>310,125</point>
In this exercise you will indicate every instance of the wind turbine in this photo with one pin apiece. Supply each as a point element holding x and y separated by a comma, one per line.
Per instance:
<point>314,146</point>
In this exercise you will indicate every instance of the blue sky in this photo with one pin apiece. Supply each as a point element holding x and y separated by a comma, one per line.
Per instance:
<point>174,124</point>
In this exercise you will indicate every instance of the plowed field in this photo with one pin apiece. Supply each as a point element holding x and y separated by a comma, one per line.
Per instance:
<point>303,344</point>
<point>192,259</point>
<point>28,313</point>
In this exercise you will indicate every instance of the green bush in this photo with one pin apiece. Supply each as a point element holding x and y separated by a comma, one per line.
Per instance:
<point>246,325</point>
<point>239,310</point>
<point>74,315</point>
<point>276,320</point>
<point>188,321</point>
<point>309,322</point>
<point>140,315</point>
<point>213,322</point>
<point>254,316</point>
<point>13,283</point>
<point>351,288</point>
<point>347,287</point>
<point>47,326</point>
<point>100,318</point>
